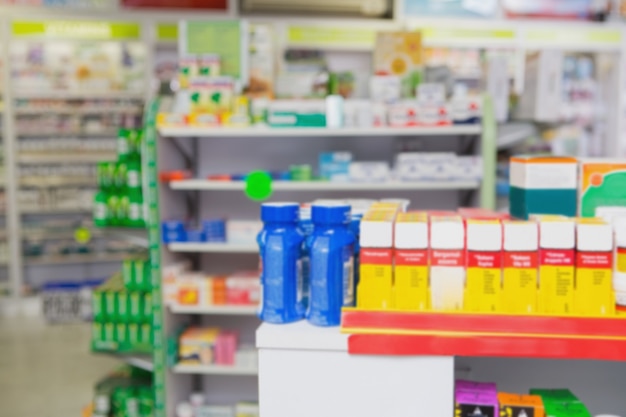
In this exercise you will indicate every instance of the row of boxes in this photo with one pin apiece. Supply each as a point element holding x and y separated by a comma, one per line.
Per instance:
<point>478,261</point>
<point>182,287</point>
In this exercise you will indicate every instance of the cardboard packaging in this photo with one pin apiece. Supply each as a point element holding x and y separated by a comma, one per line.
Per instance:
<point>542,96</point>
<point>517,405</point>
<point>602,185</point>
<point>375,286</point>
<point>411,284</point>
<point>543,185</point>
<point>335,166</point>
<point>521,267</point>
<point>447,262</point>
<point>594,268</point>
<point>399,54</point>
<point>557,243</point>
<point>484,266</point>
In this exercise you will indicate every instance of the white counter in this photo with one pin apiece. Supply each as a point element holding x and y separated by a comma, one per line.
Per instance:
<point>306,371</point>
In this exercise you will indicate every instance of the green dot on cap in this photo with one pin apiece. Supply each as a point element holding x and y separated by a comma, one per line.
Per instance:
<point>258,185</point>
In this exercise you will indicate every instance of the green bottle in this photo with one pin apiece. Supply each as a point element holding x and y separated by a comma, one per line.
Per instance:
<point>133,175</point>
<point>122,210</point>
<point>121,170</point>
<point>100,209</point>
<point>135,209</point>
<point>112,207</point>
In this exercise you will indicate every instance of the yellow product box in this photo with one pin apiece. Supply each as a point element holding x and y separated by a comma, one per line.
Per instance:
<point>188,68</point>
<point>196,345</point>
<point>411,284</point>
<point>594,268</point>
<point>172,120</point>
<point>517,405</point>
<point>557,250</point>
<point>379,206</point>
<point>398,53</point>
<point>376,259</point>
<point>203,120</point>
<point>213,95</point>
<point>520,267</point>
<point>447,257</point>
<point>191,289</point>
<point>484,266</point>
<point>602,187</point>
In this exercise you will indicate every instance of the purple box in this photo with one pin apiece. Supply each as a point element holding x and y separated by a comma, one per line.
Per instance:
<point>476,404</point>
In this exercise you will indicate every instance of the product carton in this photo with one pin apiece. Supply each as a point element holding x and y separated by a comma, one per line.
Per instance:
<point>376,257</point>
<point>559,395</point>
<point>484,266</point>
<point>463,385</point>
<point>196,345</point>
<point>602,185</point>
<point>476,404</point>
<point>335,166</point>
<point>557,244</point>
<point>542,96</point>
<point>594,268</point>
<point>517,405</point>
<point>521,267</point>
<point>447,262</point>
<point>376,171</point>
<point>543,185</point>
<point>411,286</point>
<point>212,95</point>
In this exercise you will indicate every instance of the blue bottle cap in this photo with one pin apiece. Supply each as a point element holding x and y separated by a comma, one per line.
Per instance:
<point>279,212</point>
<point>330,214</point>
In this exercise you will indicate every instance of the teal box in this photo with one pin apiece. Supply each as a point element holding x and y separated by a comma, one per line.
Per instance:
<point>525,202</point>
<point>294,119</point>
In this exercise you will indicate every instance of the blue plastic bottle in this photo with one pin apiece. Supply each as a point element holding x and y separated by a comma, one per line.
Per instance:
<point>332,264</point>
<point>280,244</point>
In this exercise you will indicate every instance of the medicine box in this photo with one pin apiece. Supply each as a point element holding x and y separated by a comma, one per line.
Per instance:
<point>594,268</point>
<point>557,244</point>
<point>335,166</point>
<point>602,186</point>
<point>543,185</point>
<point>297,113</point>
<point>542,96</point>
<point>517,405</point>
<point>484,266</point>
<point>447,262</point>
<point>520,267</point>
<point>411,283</point>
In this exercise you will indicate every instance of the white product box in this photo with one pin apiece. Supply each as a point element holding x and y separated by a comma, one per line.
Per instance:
<point>369,171</point>
<point>468,167</point>
<point>403,113</point>
<point>544,173</point>
<point>358,113</point>
<point>243,231</point>
<point>431,93</point>
<point>377,230</point>
<point>541,100</point>
<point>447,260</point>
<point>385,88</point>
<point>498,86</point>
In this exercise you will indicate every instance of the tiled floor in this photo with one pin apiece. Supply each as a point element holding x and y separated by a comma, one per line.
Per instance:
<point>47,370</point>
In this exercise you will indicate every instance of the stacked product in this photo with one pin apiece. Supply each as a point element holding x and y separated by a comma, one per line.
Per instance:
<point>127,392</point>
<point>403,92</point>
<point>185,288</point>
<point>122,310</point>
<point>178,231</point>
<point>475,261</point>
<point>119,201</point>
<point>213,346</point>
<point>197,407</point>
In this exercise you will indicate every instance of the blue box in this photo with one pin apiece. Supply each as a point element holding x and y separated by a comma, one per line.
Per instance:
<point>335,166</point>
<point>173,231</point>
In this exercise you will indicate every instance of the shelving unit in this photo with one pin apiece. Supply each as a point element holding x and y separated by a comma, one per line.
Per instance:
<point>70,126</point>
<point>214,370</point>
<point>213,247</point>
<point>215,310</point>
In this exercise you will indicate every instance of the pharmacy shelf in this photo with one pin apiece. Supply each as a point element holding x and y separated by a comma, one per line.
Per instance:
<point>49,182</point>
<point>329,186</point>
<point>78,111</point>
<point>73,259</point>
<point>137,360</point>
<point>512,134</point>
<point>79,95</point>
<point>320,131</point>
<point>70,133</point>
<point>69,158</point>
<point>60,210</point>
<point>491,335</point>
<point>214,370</point>
<point>214,247</point>
<point>226,310</point>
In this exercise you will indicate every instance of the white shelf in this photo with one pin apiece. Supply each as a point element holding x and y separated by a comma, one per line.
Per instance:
<point>49,182</point>
<point>213,247</point>
<point>73,259</point>
<point>70,158</point>
<point>319,131</point>
<point>78,95</point>
<point>226,310</point>
<point>511,134</point>
<point>214,370</point>
<point>329,186</point>
<point>78,111</point>
<point>36,133</point>
<point>56,210</point>
<point>138,361</point>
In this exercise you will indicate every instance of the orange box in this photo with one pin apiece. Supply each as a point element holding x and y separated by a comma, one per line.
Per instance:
<point>514,405</point>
